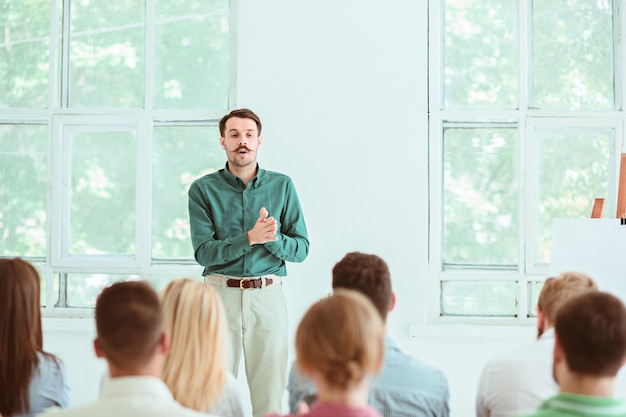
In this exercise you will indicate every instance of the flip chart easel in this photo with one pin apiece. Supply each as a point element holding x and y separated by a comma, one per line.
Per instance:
<point>596,247</point>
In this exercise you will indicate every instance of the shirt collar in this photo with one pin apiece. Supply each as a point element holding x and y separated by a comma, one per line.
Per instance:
<point>585,405</point>
<point>135,385</point>
<point>236,182</point>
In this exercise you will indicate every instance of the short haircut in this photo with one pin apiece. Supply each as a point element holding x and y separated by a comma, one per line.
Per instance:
<point>243,114</point>
<point>195,367</point>
<point>367,274</point>
<point>591,329</point>
<point>341,337</point>
<point>558,290</point>
<point>129,323</point>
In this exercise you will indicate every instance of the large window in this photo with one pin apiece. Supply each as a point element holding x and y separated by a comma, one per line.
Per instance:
<point>108,112</point>
<point>526,125</point>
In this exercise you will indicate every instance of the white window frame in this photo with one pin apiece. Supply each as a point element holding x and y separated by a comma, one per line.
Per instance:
<point>526,120</point>
<point>62,121</point>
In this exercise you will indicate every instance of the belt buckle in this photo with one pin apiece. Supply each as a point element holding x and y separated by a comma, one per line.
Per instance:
<point>241,283</point>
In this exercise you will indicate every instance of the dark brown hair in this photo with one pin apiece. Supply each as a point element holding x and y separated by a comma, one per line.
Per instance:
<point>243,114</point>
<point>367,274</point>
<point>129,323</point>
<point>20,333</point>
<point>591,329</point>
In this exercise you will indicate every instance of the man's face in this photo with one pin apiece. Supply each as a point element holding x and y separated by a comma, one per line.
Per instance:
<point>241,141</point>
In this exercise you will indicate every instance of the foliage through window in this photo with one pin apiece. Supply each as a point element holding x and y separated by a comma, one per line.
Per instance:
<point>526,123</point>
<point>108,112</point>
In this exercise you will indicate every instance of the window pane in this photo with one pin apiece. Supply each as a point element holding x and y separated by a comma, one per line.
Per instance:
<point>573,171</point>
<point>534,289</point>
<point>103,193</point>
<point>180,155</point>
<point>24,53</point>
<point>23,190</point>
<point>192,54</point>
<point>480,54</point>
<point>479,298</point>
<point>572,55</point>
<point>480,196</point>
<point>83,289</point>
<point>107,53</point>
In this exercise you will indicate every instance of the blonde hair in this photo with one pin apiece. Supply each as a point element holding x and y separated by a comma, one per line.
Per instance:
<point>557,291</point>
<point>195,368</point>
<point>341,337</point>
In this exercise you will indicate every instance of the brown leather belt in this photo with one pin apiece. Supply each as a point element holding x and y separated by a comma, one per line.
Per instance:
<point>245,283</point>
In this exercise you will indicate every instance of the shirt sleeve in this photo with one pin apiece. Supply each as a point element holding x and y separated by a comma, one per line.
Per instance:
<point>293,241</point>
<point>300,389</point>
<point>208,250</point>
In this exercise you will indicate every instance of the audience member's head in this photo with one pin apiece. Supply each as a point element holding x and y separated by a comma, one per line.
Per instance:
<point>590,336</point>
<point>195,368</point>
<point>340,340</point>
<point>367,274</point>
<point>557,291</point>
<point>20,333</point>
<point>130,328</point>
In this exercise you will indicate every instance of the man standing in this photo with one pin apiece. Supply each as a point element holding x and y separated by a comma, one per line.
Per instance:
<point>246,222</point>
<point>589,350</point>
<point>131,338</point>
<point>406,386</point>
<point>516,382</point>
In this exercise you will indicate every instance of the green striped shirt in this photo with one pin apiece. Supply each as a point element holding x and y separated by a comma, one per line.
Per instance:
<point>574,405</point>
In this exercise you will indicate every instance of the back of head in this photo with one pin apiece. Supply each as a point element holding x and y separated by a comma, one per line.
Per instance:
<point>341,338</point>
<point>195,367</point>
<point>129,324</point>
<point>557,291</point>
<point>367,274</point>
<point>20,333</point>
<point>591,329</point>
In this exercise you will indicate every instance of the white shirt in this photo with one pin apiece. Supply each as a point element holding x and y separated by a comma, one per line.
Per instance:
<point>135,396</point>
<point>515,383</point>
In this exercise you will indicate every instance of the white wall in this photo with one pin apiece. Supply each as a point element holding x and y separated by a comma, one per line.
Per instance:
<point>341,88</point>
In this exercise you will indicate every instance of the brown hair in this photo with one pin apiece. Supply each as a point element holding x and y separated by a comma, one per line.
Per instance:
<point>341,336</point>
<point>243,114</point>
<point>20,333</point>
<point>129,323</point>
<point>557,291</point>
<point>195,367</point>
<point>591,329</point>
<point>367,274</point>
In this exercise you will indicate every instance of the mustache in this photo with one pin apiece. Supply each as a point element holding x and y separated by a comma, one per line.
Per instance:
<point>243,147</point>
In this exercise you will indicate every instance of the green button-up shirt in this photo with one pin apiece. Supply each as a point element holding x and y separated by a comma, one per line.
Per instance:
<point>221,212</point>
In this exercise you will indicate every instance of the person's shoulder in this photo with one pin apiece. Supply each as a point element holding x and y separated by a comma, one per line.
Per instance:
<point>274,175</point>
<point>210,177</point>
<point>188,412</point>
<point>410,364</point>
<point>86,410</point>
<point>535,352</point>
<point>406,373</point>
<point>544,413</point>
<point>50,368</point>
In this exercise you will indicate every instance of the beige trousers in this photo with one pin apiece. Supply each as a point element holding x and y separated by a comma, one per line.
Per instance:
<point>257,324</point>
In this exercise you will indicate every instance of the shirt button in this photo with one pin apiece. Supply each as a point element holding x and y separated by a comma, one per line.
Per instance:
<point>247,270</point>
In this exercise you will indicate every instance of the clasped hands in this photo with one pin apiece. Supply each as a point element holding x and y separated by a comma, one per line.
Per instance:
<point>264,229</point>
